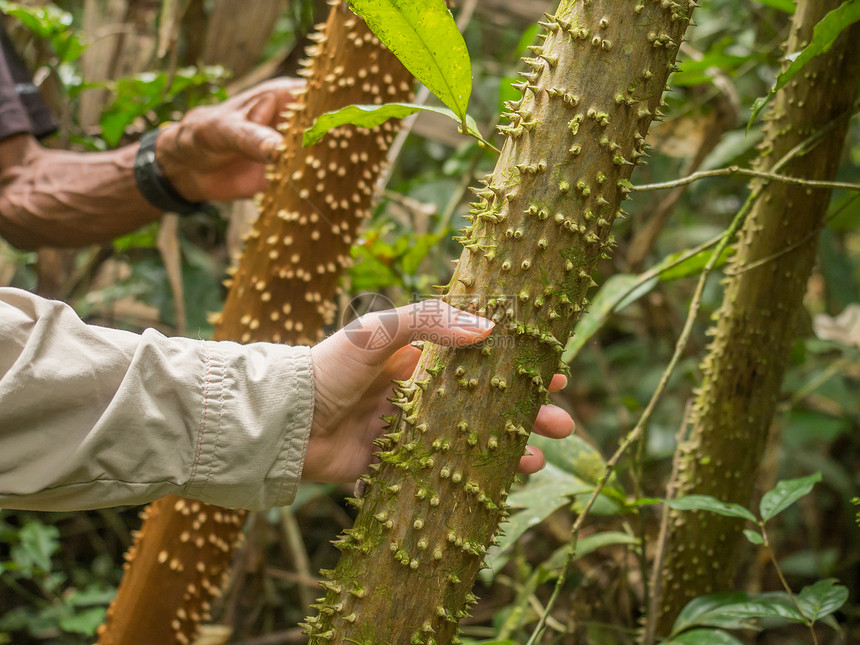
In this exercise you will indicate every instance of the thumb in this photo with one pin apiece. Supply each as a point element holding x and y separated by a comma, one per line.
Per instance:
<point>379,335</point>
<point>253,141</point>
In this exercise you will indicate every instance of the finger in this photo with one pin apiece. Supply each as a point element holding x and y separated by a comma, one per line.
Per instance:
<point>553,422</point>
<point>532,461</point>
<point>253,141</point>
<point>558,382</point>
<point>263,109</point>
<point>440,323</point>
<point>378,335</point>
<point>285,90</point>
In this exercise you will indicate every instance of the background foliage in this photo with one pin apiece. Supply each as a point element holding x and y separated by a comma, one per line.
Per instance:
<point>59,570</point>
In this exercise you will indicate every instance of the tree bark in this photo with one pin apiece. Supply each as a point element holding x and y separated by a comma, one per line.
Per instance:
<point>436,498</point>
<point>756,325</point>
<point>282,291</point>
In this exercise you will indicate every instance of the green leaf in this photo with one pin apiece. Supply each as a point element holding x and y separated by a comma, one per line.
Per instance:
<point>49,23</point>
<point>589,544</point>
<point>507,92</point>
<point>603,304</point>
<point>85,622</point>
<point>691,266</point>
<point>623,289</point>
<point>735,610</point>
<point>821,598</point>
<point>784,494</point>
<point>37,543</point>
<point>704,637</point>
<point>370,116</point>
<point>518,524</point>
<point>783,5</point>
<point>708,503</point>
<point>754,536</point>
<point>704,610</point>
<point>544,493</point>
<point>573,455</point>
<point>765,605</point>
<point>92,595</point>
<point>424,36</point>
<point>825,34</point>
<point>412,258</point>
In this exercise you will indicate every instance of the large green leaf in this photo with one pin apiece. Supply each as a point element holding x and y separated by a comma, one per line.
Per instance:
<point>786,493</point>
<point>424,36</point>
<point>825,34</point>
<point>370,116</point>
<point>708,503</point>
<point>821,598</point>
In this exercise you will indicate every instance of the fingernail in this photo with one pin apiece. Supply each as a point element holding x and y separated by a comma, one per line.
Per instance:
<point>476,323</point>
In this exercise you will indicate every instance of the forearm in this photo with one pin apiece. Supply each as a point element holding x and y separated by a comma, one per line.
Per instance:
<point>97,417</point>
<point>64,199</point>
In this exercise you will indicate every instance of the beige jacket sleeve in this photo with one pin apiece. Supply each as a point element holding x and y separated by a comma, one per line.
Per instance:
<point>93,417</point>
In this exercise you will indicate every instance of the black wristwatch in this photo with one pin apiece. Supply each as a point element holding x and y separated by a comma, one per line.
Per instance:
<point>155,187</point>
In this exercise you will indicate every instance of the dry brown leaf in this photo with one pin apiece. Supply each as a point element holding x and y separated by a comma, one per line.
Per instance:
<point>843,329</point>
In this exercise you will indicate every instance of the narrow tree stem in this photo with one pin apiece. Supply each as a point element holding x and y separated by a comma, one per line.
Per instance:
<point>784,582</point>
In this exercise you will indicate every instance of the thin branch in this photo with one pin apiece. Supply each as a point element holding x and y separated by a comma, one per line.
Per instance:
<point>737,170</point>
<point>785,585</point>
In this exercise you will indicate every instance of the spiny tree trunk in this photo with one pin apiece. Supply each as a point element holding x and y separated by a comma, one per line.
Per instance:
<point>282,292</point>
<point>744,369</point>
<point>437,496</point>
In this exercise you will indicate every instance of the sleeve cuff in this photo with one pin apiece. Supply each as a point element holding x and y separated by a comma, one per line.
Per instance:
<point>257,410</point>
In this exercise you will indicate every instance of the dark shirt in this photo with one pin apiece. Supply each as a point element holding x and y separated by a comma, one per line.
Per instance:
<point>22,108</point>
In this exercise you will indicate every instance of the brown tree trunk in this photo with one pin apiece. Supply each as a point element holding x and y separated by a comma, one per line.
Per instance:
<point>282,291</point>
<point>436,498</point>
<point>236,39</point>
<point>744,369</point>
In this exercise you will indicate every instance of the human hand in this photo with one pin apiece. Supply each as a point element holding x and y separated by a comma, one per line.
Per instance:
<point>352,386</point>
<point>220,152</point>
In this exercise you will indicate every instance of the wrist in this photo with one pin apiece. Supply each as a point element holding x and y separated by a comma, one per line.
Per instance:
<point>157,186</point>
<point>173,165</point>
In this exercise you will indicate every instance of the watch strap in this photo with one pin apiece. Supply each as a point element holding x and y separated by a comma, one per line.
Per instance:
<point>154,186</point>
